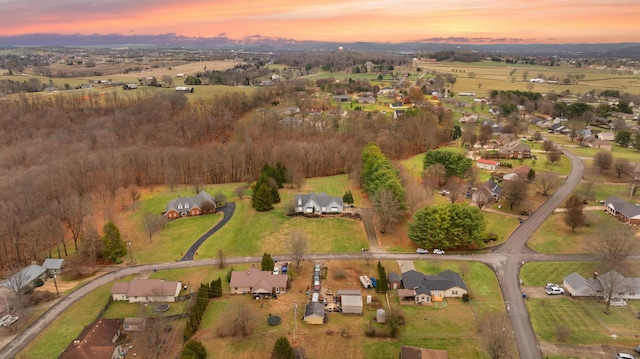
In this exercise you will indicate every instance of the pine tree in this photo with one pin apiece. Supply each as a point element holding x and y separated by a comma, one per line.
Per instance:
<point>112,245</point>
<point>267,262</point>
<point>262,199</point>
<point>282,349</point>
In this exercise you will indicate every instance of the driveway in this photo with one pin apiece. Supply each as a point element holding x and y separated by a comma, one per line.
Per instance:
<point>228,210</point>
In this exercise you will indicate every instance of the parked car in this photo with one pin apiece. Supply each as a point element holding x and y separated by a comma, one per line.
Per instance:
<point>618,302</point>
<point>554,291</point>
<point>625,356</point>
<point>550,285</point>
<point>638,349</point>
<point>438,251</point>
<point>422,251</point>
<point>276,270</point>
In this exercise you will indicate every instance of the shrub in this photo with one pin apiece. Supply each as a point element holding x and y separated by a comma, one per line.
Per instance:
<point>490,237</point>
<point>562,333</point>
<point>465,298</point>
<point>38,282</point>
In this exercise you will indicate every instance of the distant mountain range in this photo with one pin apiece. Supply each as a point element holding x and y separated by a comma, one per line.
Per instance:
<point>260,43</point>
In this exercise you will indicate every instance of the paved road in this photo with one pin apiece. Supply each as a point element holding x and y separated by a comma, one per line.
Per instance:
<point>228,210</point>
<point>517,252</point>
<point>506,261</point>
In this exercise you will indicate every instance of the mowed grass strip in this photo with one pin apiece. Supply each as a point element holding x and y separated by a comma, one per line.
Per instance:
<point>51,342</point>
<point>548,314</point>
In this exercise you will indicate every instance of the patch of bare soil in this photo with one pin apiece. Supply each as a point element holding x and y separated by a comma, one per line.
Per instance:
<point>582,352</point>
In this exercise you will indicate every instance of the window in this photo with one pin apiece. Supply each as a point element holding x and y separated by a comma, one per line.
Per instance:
<point>454,292</point>
<point>186,205</point>
<point>180,206</point>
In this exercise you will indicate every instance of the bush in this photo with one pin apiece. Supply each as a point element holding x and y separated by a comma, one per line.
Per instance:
<point>562,333</point>
<point>465,298</point>
<point>38,282</point>
<point>490,237</point>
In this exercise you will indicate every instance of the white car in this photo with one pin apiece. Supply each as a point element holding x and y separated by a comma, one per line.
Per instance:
<point>618,302</point>
<point>276,270</point>
<point>624,356</point>
<point>554,291</point>
<point>422,251</point>
<point>550,285</point>
<point>438,251</point>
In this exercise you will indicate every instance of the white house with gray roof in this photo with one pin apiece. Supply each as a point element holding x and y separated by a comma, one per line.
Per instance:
<point>317,203</point>
<point>431,288</point>
<point>190,206</point>
<point>626,212</point>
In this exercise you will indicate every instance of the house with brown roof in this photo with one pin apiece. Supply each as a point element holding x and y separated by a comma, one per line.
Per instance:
<point>146,290</point>
<point>98,340</point>
<point>594,142</point>
<point>515,149</point>
<point>258,282</point>
<point>520,172</point>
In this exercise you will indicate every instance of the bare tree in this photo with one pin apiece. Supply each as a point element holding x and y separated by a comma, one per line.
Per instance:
<point>222,259</point>
<point>553,157</point>
<point>611,247</point>
<point>387,207</point>
<point>603,160</point>
<point>514,191</point>
<point>574,217</point>
<point>134,192</point>
<point>239,191</point>
<point>91,244</point>
<point>623,167</point>
<point>73,210</point>
<point>481,198</point>
<point>590,177</point>
<point>152,222</point>
<point>547,182</point>
<point>18,283</point>
<point>497,336</point>
<point>298,245</point>
<point>434,177</point>
<point>547,146</point>
<point>239,322</point>
<point>457,189</point>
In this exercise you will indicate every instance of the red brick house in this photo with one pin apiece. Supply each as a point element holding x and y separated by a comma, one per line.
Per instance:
<point>190,206</point>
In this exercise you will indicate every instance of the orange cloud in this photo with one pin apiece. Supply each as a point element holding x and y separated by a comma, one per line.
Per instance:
<point>331,20</point>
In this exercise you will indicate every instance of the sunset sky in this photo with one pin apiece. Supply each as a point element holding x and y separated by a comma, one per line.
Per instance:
<point>474,21</point>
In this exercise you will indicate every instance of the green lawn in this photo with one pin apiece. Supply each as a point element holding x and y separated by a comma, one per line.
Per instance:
<point>52,341</point>
<point>539,273</point>
<point>555,237</point>
<point>500,224</point>
<point>585,321</point>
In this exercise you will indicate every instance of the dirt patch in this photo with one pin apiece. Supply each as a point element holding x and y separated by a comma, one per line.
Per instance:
<point>583,351</point>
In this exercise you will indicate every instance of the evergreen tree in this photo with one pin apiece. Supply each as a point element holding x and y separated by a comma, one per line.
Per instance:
<point>262,199</point>
<point>193,349</point>
<point>267,262</point>
<point>112,245</point>
<point>282,174</point>
<point>381,286</point>
<point>282,349</point>
<point>348,198</point>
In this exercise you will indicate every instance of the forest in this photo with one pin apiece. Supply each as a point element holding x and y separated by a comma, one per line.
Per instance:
<point>68,157</point>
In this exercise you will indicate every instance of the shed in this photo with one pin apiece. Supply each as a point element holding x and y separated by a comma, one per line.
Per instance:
<point>53,266</point>
<point>578,286</point>
<point>314,313</point>
<point>394,280</point>
<point>351,304</point>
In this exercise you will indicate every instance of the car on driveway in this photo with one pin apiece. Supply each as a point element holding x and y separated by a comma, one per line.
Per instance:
<point>422,251</point>
<point>438,251</point>
<point>554,291</point>
<point>638,349</point>
<point>624,356</point>
<point>276,270</point>
<point>550,285</point>
<point>618,302</point>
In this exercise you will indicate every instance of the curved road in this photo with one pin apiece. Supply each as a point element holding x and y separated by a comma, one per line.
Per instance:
<point>505,260</point>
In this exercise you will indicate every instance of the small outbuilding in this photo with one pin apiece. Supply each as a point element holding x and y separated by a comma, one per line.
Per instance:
<point>381,316</point>
<point>394,280</point>
<point>351,304</point>
<point>314,313</point>
<point>134,324</point>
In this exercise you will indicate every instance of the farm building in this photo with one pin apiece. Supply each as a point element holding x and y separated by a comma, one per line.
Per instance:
<point>146,290</point>
<point>314,313</point>
<point>351,301</point>
<point>53,266</point>
<point>487,164</point>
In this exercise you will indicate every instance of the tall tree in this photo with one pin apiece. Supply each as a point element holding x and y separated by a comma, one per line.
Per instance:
<point>112,245</point>
<point>548,181</point>
<point>388,208</point>
<point>603,161</point>
<point>574,217</point>
<point>298,245</point>
<point>152,222</point>
<point>447,226</point>
<point>267,263</point>
<point>514,191</point>
<point>454,163</point>
<point>612,247</point>
<point>497,338</point>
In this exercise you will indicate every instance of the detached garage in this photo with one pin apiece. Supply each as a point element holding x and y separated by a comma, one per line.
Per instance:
<point>314,313</point>
<point>351,304</point>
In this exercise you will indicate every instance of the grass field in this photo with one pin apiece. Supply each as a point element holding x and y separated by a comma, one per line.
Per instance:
<point>51,342</point>
<point>555,237</point>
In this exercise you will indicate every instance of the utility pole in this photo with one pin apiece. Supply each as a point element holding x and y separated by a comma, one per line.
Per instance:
<point>56,284</point>
<point>130,253</point>
<point>295,318</point>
